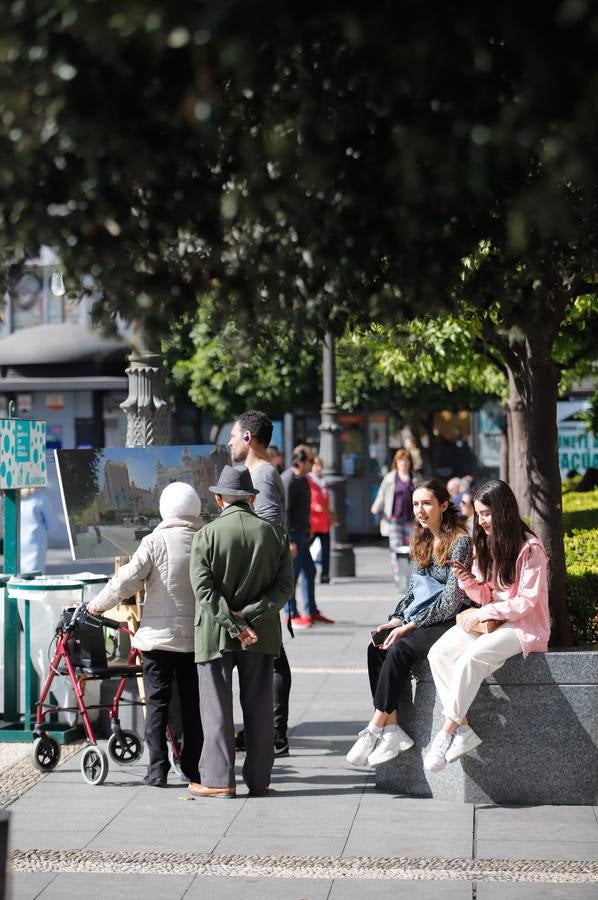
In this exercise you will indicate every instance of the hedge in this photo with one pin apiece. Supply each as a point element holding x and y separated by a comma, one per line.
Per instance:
<point>580,522</point>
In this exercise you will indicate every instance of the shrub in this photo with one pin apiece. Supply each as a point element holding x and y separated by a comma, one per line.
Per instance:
<point>580,521</point>
<point>580,510</point>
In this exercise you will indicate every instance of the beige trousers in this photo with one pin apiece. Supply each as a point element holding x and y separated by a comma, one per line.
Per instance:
<point>460,661</point>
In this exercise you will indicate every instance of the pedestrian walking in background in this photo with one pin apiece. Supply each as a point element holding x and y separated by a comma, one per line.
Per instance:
<point>509,581</point>
<point>160,567</point>
<point>248,444</point>
<point>426,612</point>
<point>320,517</point>
<point>242,575</point>
<point>276,458</point>
<point>455,489</point>
<point>36,516</point>
<point>297,518</point>
<point>394,504</point>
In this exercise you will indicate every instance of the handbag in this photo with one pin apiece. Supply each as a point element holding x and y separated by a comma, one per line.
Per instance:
<point>488,627</point>
<point>425,590</point>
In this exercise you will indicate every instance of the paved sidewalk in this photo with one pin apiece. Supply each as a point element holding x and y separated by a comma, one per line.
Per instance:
<point>325,832</point>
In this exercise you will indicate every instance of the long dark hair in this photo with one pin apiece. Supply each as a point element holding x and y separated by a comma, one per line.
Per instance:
<point>452,526</point>
<point>497,552</point>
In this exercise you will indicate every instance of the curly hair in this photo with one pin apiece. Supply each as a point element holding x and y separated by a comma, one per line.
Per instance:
<point>452,526</point>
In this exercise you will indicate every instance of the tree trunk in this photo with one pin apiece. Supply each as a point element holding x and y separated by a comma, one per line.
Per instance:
<point>503,470</point>
<point>518,443</point>
<point>541,393</point>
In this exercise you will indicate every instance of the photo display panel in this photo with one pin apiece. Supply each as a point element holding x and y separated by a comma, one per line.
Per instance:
<point>111,496</point>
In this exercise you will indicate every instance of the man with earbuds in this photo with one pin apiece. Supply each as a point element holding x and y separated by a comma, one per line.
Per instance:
<point>248,444</point>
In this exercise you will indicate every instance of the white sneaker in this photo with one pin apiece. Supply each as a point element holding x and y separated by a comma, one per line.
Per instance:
<point>465,739</point>
<point>435,758</point>
<point>390,745</point>
<point>363,746</point>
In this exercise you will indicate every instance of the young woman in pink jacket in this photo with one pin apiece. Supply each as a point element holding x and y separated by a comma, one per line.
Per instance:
<point>508,580</point>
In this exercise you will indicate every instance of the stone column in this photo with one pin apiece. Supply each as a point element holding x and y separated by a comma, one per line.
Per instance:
<point>342,558</point>
<point>146,409</point>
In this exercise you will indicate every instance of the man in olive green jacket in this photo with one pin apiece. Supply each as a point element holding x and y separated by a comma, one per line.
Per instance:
<point>242,574</point>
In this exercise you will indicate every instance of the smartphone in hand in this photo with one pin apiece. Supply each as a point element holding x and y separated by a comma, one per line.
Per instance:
<point>378,637</point>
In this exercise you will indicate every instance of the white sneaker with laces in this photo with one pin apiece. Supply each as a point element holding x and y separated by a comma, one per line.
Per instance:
<point>363,746</point>
<point>390,745</point>
<point>465,739</point>
<point>435,758</point>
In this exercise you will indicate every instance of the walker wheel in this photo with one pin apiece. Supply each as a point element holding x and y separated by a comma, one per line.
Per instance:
<point>125,747</point>
<point>45,753</point>
<point>94,765</point>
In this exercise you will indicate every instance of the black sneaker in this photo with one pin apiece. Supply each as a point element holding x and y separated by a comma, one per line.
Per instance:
<point>281,744</point>
<point>240,745</point>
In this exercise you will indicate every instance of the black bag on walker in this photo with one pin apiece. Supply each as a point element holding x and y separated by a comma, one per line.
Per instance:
<point>87,648</point>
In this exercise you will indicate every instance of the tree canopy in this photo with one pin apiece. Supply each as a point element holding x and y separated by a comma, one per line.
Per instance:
<point>305,160</point>
<point>313,164</point>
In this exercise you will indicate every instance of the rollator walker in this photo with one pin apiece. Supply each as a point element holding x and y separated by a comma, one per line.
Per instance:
<point>80,655</point>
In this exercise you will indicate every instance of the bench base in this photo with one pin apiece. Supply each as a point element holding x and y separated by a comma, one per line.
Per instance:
<point>538,719</point>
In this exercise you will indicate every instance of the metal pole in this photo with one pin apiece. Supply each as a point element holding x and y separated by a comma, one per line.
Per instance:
<point>12,627</point>
<point>148,425</point>
<point>4,823</point>
<point>342,557</point>
<point>288,438</point>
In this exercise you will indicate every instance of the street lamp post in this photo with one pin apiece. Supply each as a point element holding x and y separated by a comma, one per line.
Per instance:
<point>146,408</point>
<point>342,558</point>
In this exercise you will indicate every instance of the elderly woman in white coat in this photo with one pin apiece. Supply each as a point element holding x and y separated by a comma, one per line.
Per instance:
<point>160,566</point>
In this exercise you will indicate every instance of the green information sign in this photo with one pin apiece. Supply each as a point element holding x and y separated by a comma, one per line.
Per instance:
<point>22,453</point>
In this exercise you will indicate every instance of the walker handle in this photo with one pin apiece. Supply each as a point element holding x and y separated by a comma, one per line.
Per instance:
<point>100,621</point>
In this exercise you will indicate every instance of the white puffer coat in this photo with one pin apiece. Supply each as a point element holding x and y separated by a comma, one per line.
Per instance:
<point>160,565</point>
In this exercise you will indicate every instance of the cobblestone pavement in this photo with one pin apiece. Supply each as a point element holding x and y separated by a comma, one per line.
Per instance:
<point>327,867</point>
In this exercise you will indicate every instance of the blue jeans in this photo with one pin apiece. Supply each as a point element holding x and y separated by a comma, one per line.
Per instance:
<point>304,564</point>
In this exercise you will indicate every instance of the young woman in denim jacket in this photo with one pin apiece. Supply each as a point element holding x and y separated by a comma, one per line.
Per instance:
<point>439,539</point>
<point>509,582</point>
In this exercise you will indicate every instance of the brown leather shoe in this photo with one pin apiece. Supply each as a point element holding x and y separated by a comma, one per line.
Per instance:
<point>198,790</point>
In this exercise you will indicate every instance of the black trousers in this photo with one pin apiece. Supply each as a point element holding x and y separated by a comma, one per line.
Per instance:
<point>160,668</point>
<point>282,689</point>
<point>389,669</point>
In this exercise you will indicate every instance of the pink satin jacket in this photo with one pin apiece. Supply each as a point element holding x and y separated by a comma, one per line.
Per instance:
<point>523,603</point>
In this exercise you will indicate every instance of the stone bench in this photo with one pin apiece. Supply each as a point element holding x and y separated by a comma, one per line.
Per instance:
<point>538,718</point>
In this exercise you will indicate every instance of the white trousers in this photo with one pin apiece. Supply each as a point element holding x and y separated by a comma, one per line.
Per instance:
<point>460,661</point>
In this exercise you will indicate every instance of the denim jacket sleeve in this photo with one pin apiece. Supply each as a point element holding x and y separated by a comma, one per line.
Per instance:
<point>453,597</point>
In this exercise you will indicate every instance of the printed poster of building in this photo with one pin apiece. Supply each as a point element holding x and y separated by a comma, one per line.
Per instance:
<point>111,496</point>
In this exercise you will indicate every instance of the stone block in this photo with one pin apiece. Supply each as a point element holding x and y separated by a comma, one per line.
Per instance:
<point>538,719</point>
